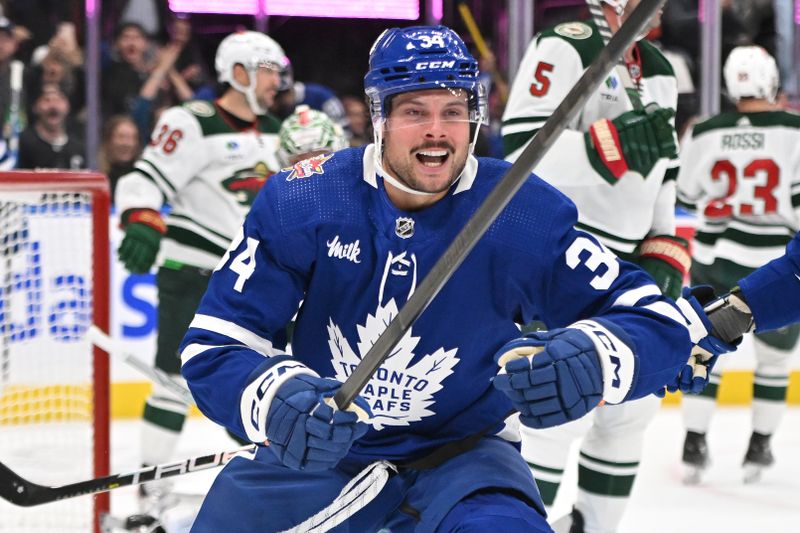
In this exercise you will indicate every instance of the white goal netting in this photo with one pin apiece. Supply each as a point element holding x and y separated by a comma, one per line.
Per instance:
<point>53,394</point>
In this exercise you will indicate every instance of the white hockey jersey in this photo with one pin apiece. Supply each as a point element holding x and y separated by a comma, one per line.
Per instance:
<point>740,172</point>
<point>619,214</point>
<point>209,171</point>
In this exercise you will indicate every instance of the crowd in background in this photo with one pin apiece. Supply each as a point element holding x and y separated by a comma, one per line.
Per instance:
<point>151,60</point>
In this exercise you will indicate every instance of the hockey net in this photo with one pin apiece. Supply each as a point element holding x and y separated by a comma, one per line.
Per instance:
<point>54,265</point>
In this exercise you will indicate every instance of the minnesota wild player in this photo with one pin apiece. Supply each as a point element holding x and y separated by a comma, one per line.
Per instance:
<point>618,163</point>
<point>741,174</point>
<point>206,161</point>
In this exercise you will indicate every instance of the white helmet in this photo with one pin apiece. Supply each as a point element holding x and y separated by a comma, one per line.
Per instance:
<point>750,72</point>
<point>618,5</point>
<point>308,130</point>
<point>252,50</point>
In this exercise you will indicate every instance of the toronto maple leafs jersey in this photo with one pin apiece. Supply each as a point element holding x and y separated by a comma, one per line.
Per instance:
<point>328,235</point>
<point>208,170</point>
<point>740,172</point>
<point>773,290</point>
<point>619,213</point>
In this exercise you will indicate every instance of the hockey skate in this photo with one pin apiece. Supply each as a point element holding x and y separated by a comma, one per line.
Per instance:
<point>695,457</point>
<point>758,457</point>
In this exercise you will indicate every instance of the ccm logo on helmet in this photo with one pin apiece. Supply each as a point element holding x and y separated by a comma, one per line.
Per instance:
<point>424,65</point>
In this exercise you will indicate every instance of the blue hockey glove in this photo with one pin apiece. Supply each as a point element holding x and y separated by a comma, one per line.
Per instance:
<point>551,377</point>
<point>694,375</point>
<point>304,431</point>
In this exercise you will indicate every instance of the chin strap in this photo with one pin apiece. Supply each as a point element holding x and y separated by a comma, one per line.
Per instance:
<point>249,92</point>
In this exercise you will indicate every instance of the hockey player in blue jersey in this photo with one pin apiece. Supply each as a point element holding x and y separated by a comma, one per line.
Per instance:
<point>772,292</point>
<point>347,237</point>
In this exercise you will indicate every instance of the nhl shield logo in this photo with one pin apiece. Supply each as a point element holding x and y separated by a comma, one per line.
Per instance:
<point>404,227</point>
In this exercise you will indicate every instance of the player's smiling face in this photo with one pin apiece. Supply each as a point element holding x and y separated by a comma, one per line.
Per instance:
<point>426,139</point>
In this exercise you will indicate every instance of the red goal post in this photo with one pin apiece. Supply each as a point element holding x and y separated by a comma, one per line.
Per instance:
<point>54,385</point>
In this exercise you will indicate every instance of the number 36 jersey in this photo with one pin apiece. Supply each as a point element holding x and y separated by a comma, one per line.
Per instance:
<point>740,172</point>
<point>208,169</point>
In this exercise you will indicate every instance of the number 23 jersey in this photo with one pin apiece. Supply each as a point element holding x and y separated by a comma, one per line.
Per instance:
<point>740,172</point>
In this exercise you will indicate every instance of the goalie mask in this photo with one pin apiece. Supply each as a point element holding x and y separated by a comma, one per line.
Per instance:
<point>252,50</point>
<point>308,132</point>
<point>418,58</point>
<point>750,72</point>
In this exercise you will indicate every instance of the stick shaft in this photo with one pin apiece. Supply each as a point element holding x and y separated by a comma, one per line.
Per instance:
<point>495,203</point>
<point>105,343</point>
<point>22,492</point>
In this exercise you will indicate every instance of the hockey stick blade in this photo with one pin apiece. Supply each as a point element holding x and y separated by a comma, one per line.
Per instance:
<point>495,202</point>
<point>19,491</point>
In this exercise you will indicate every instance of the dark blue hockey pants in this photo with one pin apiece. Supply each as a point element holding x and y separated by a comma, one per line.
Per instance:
<point>488,488</point>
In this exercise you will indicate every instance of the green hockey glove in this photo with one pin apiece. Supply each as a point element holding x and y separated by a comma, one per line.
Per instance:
<point>635,140</point>
<point>143,231</point>
<point>666,258</point>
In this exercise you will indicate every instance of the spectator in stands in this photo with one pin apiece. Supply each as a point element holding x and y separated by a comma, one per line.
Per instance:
<point>163,79</point>
<point>358,118</point>
<point>46,143</point>
<point>119,149</point>
<point>124,77</point>
<point>37,21</point>
<point>60,61</point>
<point>12,104</point>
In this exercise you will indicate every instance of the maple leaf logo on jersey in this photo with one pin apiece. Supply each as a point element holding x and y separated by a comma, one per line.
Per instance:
<point>399,393</point>
<point>246,183</point>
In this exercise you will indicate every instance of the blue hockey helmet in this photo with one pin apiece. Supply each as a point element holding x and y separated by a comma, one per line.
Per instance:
<point>418,58</point>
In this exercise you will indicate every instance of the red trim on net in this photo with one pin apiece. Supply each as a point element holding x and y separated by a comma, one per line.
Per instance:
<point>97,185</point>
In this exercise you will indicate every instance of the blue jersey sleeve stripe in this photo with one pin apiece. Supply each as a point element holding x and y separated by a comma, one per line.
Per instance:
<point>229,329</point>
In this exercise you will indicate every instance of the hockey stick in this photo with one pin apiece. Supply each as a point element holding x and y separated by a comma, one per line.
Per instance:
<point>729,321</point>
<point>105,343</point>
<point>20,491</point>
<point>495,203</point>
